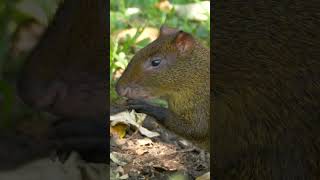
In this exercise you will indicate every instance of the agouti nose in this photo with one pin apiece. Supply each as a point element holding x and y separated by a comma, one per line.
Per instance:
<point>122,90</point>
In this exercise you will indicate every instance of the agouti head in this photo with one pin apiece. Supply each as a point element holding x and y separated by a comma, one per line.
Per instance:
<point>173,63</point>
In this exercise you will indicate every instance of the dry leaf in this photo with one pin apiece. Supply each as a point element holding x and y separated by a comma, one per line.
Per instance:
<point>205,176</point>
<point>125,176</point>
<point>119,158</point>
<point>128,118</point>
<point>145,141</point>
<point>117,161</point>
<point>141,151</point>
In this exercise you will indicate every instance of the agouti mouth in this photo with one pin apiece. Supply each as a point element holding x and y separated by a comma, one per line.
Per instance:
<point>135,93</point>
<point>144,97</point>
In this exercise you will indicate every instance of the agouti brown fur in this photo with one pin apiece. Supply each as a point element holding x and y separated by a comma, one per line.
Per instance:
<point>266,83</point>
<point>175,67</point>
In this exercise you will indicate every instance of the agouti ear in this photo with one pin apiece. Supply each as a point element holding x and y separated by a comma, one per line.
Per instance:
<point>184,41</point>
<point>164,30</point>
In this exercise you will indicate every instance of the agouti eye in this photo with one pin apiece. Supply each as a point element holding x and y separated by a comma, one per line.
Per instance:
<point>155,62</point>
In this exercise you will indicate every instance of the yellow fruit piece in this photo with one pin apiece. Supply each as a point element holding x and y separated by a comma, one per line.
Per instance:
<point>119,130</point>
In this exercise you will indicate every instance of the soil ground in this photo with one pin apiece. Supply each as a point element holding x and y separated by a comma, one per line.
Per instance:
<point>164,157</point>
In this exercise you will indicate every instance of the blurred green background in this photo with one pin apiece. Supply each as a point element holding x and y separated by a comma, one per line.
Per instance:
<point>134,24</point>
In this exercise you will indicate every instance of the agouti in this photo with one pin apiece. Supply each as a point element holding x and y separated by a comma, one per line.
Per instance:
<point>175,67</point>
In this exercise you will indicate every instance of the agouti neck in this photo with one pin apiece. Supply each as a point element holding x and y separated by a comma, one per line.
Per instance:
<point>197,92</point>
<point>182,100</point>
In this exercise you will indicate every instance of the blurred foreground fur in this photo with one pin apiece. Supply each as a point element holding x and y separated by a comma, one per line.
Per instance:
<point>64,75</point>
<point>266,72</point>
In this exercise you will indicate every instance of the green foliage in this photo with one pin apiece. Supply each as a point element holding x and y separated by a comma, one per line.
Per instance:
<point>148,16</point>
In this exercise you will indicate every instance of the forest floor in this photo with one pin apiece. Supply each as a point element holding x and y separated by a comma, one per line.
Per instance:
<point>166,156</point>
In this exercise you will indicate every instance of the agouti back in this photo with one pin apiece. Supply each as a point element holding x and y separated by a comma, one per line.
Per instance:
<point>174,67</point>
<point>266,75</point>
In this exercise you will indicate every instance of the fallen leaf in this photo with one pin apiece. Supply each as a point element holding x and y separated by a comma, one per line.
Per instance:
<point>120,170</point>
<point>119,158</point>
<point>205,176</point>
<point>145,141</point>
<point>128,118</point>
<point>141,151</point>
<point>125,176</point>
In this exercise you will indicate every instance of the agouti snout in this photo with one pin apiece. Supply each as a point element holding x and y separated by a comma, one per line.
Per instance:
<point>131,91</point>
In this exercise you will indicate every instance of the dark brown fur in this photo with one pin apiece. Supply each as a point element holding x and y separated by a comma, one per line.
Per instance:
<point>266,74</point>
<point>66,73</point>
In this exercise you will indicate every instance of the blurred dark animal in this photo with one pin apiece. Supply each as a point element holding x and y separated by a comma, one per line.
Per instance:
<point>66,72</point>
<point>266,71</point>
<point>66,75</point>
